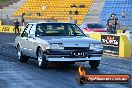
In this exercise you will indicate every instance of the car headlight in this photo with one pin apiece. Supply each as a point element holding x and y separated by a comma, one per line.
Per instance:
<point>57,46</point>
<point>96,47</point>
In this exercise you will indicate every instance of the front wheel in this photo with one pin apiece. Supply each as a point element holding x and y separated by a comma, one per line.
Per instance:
<point>21,57</point>
<point>94,63</point>
<point>42,62</point>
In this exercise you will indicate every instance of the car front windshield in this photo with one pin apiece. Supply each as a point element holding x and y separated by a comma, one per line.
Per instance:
<point>58,29</point>
<point>95,26</point>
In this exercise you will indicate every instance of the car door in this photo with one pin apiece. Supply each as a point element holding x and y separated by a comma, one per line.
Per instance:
<point>32,41</point>
<point>24,40</point>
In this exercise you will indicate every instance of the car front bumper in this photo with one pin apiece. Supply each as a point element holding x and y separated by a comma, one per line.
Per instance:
<point>63,59</point>
<point>66,55</point>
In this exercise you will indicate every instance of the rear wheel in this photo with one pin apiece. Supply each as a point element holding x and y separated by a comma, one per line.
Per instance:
<point>21,57</point>
<point>42,62</point>
<point>94,63</point>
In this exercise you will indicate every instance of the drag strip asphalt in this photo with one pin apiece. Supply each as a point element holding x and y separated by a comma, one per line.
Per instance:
<point>14,74</point>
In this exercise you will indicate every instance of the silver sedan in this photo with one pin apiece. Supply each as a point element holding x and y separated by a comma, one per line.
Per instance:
<point>57,42</point>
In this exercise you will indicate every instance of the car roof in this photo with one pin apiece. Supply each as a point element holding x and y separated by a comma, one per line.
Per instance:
<point>50,22</point>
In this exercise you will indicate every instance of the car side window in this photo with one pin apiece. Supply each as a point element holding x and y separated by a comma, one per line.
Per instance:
<point>26,31</point>
<point>33,30</point>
